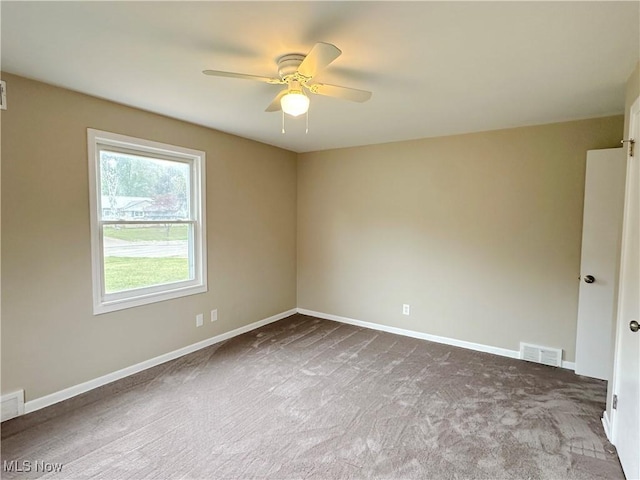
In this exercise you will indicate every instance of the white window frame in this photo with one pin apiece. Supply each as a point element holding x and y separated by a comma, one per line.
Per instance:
<point>108,302</point>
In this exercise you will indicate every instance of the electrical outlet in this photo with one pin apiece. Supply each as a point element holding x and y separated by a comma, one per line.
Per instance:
<point>214,315</point>
<point>199,320</point>
<point>406,309</point>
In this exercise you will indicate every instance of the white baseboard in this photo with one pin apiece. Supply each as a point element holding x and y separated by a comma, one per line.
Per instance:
<point>607,425</point>
<point>12,405</point>
<point>503,352</point>
<point>47,400</point>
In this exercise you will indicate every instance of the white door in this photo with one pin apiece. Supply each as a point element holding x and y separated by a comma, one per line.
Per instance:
<point>626,378</point>
<point>599,265</point>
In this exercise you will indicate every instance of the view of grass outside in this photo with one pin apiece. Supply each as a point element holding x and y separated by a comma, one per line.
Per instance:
<point>126,273</point>
<point>142,256</point>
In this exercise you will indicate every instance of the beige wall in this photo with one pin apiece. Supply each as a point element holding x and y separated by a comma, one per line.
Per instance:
<point>50,339</point>
<point>479,233</point>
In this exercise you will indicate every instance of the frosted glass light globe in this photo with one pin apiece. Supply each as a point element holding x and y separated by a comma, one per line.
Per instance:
<point>294,103</point>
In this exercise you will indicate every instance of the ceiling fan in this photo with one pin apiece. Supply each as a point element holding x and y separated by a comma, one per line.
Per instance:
<point>297,72</point>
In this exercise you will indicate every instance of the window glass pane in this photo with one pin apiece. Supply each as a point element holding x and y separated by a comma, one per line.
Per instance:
<point>138,256</point>
<point>143,189</point>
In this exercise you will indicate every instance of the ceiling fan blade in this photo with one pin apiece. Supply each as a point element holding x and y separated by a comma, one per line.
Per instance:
<point>321,55</point>
<point>217,73</point>
<point>274,106</point>
<point>345,93</point>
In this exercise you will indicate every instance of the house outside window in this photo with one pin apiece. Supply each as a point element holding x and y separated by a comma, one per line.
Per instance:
<point>148,232</point>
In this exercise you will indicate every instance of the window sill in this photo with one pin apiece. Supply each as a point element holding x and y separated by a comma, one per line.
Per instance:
<point>106,306</point>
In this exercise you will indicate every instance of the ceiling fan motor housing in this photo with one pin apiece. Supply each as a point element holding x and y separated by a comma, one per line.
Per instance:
<point>288,64</point>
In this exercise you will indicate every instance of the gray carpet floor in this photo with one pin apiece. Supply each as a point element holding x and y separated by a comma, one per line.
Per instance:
<point>309,398</point>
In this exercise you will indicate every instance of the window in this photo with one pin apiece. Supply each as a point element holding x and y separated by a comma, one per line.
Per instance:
<point>148,235</point>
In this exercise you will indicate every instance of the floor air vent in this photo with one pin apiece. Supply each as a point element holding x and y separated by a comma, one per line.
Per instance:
<point>538,354</point>
<point>12,405</point>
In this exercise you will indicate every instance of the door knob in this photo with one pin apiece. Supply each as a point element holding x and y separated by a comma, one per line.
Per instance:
<point>589,279</point>
<point>633,326</point>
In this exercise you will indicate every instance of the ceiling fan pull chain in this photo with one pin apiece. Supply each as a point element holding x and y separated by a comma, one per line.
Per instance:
<point>283,122</point>
<point>307,130</point>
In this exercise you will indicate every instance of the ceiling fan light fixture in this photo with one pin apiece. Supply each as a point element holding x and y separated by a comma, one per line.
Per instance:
<point>294,103</point>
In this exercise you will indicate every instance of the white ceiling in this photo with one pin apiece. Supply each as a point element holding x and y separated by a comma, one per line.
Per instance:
<point>435,68</point>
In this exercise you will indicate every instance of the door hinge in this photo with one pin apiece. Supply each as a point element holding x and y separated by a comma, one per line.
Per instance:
<point>3,95</point>
<point>631,143</point>
<point>614,404</point>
